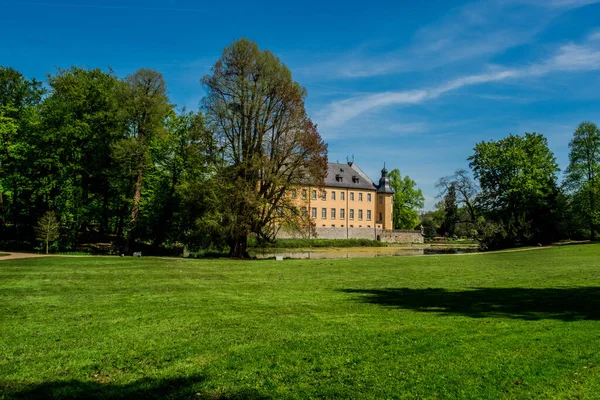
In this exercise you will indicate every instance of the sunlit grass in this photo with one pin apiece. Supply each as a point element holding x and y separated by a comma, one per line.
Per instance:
<point>506,325</point>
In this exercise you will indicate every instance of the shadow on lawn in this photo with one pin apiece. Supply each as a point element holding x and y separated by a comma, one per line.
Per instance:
<point>180,388</point>
<point>566,304</point>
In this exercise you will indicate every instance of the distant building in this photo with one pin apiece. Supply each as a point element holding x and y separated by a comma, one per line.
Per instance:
<point>348,205</point>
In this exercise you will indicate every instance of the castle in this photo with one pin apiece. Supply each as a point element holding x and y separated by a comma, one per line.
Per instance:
<point>350,205</point>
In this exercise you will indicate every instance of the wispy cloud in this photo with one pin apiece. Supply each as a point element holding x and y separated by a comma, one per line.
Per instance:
<point>569,58</point>
<point>475,31</point>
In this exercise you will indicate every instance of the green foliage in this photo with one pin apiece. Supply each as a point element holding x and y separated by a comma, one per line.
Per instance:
<point>582,175</point>
<point>517,176</point>
<point>450,208</point>
<point>408,200</point>
<point>145,108</point>
<point>267,141</point>
<point>47,229</point>
<point>515,325</point>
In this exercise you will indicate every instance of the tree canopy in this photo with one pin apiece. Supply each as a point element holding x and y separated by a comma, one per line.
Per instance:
<point>407,202</point>
<point>267,142</point>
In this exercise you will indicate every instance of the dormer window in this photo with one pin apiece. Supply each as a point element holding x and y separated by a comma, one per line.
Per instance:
<point>339,178</point>
<point>355,179</point>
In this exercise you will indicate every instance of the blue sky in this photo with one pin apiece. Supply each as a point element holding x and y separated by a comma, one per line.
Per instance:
<point>414,84</point>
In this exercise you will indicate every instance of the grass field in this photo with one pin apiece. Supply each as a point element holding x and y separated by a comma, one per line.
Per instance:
<point>486,326</point>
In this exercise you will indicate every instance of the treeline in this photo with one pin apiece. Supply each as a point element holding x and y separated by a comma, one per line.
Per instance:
<point>115,164</point>
<point>110,157</point>
<point>512,195</point>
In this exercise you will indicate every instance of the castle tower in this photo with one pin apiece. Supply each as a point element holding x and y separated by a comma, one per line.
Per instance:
<point>385,198</point>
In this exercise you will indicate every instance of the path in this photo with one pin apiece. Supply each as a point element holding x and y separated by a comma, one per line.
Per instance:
<point>16,256</point>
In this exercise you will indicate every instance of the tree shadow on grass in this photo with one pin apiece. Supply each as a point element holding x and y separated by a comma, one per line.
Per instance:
<point>147,388</point>
<point>566,304</point>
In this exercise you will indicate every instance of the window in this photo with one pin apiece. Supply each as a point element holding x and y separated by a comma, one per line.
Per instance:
<point>304,194</point>
<point>294,193</point>
<point>351,226</point>
<point>313,212</point>
<point>304,211</point>
<point>333,225</point>
<point>333,195</point>
<point>342,213</point>
<point>368,226</point>
<point>360,215</point>
<point>352,213</point>
<point>314,194</point>
<point>380,217</point>
<point>369,197</point>
<point>368,215</point>
<point>351,196</point>
<point>342,225</point>
<point>333,213</point>
<point>323,195</point>
<point>380,199</point>
<point>324,213</point>
<point>360,197</point>
<point>342,196</point>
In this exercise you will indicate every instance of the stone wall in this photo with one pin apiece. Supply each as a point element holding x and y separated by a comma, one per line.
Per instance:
<point>388,236</point>
<point>400,236</point>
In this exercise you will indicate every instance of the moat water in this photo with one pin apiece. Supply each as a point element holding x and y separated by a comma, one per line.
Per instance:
<point>359,252</point>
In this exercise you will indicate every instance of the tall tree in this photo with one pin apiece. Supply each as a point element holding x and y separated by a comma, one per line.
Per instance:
<point>19,105</point>
<point>81,121</point>
<point>185,157</point>
<point>451,217</point>
<point>145,109</point>
<point>582,175</point>
<point>268,142</point>
<point>408,200</point>
<point>517,176</point>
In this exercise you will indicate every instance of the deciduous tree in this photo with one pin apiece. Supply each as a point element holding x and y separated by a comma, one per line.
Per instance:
<point>517,176</point>
<point>267,141</point>
<point>47,229</point>
<point>408,200</point>
<point>145,110</point>
<point>582,175</point>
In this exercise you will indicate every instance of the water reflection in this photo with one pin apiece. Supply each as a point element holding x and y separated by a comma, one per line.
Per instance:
<point>359,252</point>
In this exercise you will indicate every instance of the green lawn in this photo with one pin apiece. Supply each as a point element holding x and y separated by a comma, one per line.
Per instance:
<point>505,325</point>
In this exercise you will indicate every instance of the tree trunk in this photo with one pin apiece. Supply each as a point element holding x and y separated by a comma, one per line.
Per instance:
<point>15,211</point>
<point>105,205</point>
<point>160,228</point>
<point>137,197</point>
<point>238,247</point>
<point>592,206</point>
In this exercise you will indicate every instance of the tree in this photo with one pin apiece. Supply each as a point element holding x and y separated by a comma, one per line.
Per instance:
<point>185,158</point>
<point>408,200</point>
<point>465,192</point>
<point>517,176</point>
<point>268,143</point>
<point>450,212</point>
<point>584,168</point>
<point>80,118</point>
<point>47,229</point>
<point>145,109</point>
<point>19,101</point>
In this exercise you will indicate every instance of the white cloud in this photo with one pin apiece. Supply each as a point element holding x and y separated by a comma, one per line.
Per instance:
<point>568,58</point>
<point>476,31</point>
